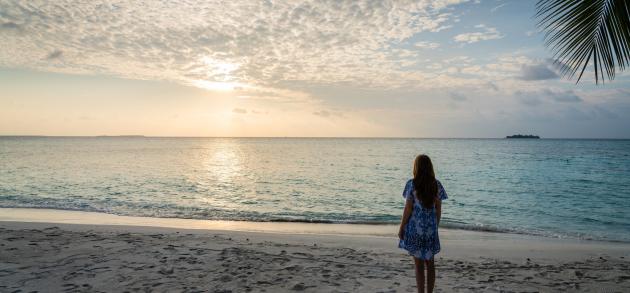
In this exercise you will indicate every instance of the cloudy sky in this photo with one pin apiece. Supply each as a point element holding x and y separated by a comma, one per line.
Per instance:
<point>446,68</point>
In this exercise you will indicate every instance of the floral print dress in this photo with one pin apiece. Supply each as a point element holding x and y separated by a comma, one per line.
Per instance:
<point>421,237</point>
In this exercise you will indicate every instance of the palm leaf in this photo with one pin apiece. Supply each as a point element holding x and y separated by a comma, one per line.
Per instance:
<point>580,32</point>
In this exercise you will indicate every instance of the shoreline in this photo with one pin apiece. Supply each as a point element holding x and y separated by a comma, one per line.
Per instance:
<point>456,242</point>
<point>383,229</point>
<point>37,215</point>
<point>135,254</point>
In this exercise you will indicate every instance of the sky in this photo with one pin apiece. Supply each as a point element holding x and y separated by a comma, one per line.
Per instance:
<point>445,68</point>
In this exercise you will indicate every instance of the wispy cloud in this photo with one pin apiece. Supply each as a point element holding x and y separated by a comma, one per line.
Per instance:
<point>566,96</point>
<point>539,71</point>
<point>239,111</point>
<point>9,25</point>
<point>494,9</point>
<point>426,45</point>
<point>322,113</point>
<point>487,33</point>
<point>56,54</point>
<point>538,97</point>
<point>457,97</point>
<point>328,114</point>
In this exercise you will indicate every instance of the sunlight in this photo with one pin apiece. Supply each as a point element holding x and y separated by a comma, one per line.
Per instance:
<point>217,86</point>
<point>219,75</point>
<point>218,66</point>
<point>223,162</point>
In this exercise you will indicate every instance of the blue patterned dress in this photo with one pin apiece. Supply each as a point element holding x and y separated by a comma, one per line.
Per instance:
<point>421,238</point>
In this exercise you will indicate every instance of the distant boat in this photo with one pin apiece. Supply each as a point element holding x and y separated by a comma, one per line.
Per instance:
<point>523,136</point>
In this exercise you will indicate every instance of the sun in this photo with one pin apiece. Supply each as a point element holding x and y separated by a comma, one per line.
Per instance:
<point>220,75</point>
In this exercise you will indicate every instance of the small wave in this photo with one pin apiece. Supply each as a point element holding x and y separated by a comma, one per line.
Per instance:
<point>81,208</point>
<point>225,215</point>
<point>495,229</point>
<point>539,233</point>
<point>322,221</point>
<point>480,228</point>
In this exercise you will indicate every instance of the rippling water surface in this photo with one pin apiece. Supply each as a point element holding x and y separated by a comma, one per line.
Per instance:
<point>558,188</point>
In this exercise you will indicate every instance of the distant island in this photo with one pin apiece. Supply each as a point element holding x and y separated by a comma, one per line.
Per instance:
<point>523,136</point>
<point>123,136</point>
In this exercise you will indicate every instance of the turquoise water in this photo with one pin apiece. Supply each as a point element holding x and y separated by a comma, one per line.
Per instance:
<point>555,188</point>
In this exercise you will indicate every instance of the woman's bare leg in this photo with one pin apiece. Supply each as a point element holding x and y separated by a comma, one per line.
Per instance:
<point>430,275</point>
<point>419,264</point>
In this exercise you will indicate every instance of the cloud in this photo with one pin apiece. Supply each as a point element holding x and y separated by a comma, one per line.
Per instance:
<point>329,113</point>
<point>604,113</point>
<point>537,97</point>
<point>259,112</point>
<point>587,112</point>
<point>494,9</point>
<point>322,113</point>
<point>492,86</point>
<point>528,100</point>
<point>573,113</point>
<point>488,33</point>
<point>540,71</point>
<point>513,68</point>
<point>457,97</point>
<point>567,96</point>
<point>256,44</point>
<point>426,45</point>
<point>56,54</point>
<point>239,111</point>
<point>9,25</point>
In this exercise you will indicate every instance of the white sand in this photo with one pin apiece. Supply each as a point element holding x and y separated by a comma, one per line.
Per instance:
<point>47,251</point>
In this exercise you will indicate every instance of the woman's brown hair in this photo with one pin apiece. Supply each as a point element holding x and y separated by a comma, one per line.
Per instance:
<point>424,182</point>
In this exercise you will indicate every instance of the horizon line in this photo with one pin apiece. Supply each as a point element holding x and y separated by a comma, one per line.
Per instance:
<point>336,137</point>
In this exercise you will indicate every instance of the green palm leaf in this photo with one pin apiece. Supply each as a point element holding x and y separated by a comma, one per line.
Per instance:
<point>583,31</point>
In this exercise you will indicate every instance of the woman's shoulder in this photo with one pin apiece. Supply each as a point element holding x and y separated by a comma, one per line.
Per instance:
<point>409,185</point>
<point>441,192</point>
<point>408,188</point>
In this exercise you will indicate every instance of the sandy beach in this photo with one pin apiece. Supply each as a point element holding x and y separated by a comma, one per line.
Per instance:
<point>115,257</point>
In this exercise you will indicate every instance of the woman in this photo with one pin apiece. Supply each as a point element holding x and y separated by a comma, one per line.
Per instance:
<point>419,224</point>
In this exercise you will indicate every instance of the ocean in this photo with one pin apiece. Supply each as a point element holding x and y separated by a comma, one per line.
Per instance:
<point>548,187</point>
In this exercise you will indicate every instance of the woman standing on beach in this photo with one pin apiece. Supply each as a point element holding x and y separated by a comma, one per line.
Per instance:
<point>419,224</point>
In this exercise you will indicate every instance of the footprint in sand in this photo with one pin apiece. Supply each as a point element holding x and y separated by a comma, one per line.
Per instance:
<point>622,278</point>
<point>299,287</point>
<point>280,259</point>
<point>302,254</point>
<point>70,286</point>
<point>293,268</point>
<point>166,271</point>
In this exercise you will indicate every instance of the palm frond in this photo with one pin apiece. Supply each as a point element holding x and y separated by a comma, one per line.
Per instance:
<point>583,31</point>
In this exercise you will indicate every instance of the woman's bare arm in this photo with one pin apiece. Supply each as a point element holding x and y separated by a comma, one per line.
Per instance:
<point>405,218</point>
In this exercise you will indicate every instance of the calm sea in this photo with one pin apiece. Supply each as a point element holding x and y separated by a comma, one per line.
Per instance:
<point>555,188</point>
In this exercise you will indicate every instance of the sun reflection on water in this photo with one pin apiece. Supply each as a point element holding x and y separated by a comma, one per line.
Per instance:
<point>221,170</point>
<point>224,162</point>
